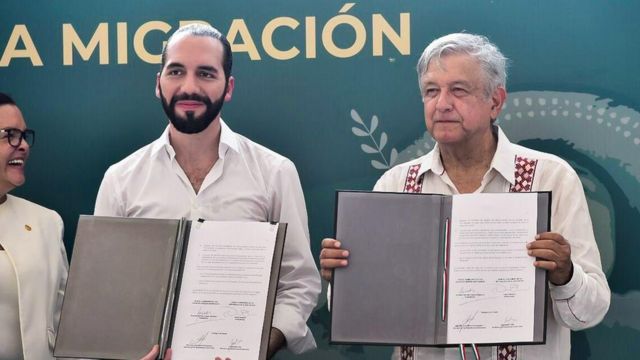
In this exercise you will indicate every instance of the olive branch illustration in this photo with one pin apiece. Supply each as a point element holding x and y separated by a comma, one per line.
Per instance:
<point>365,131</point>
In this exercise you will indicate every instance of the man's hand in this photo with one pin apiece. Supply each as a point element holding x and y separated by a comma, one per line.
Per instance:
<point>331,257</point>
<point>553,253</point>
<point>276,342</point>
<point>153,354</point>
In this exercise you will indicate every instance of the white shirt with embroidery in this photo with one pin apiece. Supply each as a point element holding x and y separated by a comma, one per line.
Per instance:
<point>579,304</point>
<point>247,182</point>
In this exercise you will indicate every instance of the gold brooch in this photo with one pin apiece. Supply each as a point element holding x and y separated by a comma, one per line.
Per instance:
<point>27,227</point>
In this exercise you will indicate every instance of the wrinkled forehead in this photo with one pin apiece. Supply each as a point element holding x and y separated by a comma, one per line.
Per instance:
<point>11,117</point>
<point>455,67</point>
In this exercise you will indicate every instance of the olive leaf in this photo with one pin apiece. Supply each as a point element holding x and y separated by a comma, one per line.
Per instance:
<point>378,146</point>
<point>368,149</point>
<point>378,165</point>
<point>393,157</point>
<point>374,124</point>
<point>356,117</point>
<point>383,140</point>
<point>359,132</point>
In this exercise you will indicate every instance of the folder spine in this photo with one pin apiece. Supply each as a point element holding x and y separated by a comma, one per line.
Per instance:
<point>171,291</point>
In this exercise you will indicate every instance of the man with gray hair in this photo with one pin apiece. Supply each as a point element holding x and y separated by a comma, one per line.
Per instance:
<point>462,80</point>
<point>200,169</point>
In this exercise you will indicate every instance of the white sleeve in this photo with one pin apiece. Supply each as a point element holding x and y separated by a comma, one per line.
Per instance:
<point>108,201</point>
<point>299,284</point>
<point>584,300</point>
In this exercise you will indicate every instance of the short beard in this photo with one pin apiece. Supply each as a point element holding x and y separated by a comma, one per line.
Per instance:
<point>192,124</point>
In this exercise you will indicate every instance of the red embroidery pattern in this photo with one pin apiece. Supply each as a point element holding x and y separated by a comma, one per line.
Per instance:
<point>507,352</point>
<point>525,170</point>
<point>406,353</point>
<point>413,183</point>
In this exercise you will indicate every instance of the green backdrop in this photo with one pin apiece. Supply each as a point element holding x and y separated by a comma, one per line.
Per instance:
<point>574,90</point>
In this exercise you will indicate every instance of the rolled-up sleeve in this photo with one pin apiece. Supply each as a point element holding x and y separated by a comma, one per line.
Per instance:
<point>299,284</point>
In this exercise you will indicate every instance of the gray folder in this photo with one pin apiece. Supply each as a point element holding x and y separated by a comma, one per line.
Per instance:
<point>391,292</point>
<point>123,286</point>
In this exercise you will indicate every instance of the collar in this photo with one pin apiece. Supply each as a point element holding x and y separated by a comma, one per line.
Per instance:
<point>502,161</point>
<point>228,140</point>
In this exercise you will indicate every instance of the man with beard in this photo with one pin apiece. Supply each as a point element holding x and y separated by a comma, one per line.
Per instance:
<point>200,168</point>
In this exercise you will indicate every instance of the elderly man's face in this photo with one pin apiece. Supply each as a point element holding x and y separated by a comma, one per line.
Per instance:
<point>456,108</point>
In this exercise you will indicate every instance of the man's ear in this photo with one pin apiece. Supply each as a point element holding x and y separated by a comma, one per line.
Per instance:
<point>230,85</point>
<point>158,85</point>
<point>498,98</point>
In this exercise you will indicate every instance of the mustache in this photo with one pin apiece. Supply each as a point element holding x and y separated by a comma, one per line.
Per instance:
<point>193,97</point>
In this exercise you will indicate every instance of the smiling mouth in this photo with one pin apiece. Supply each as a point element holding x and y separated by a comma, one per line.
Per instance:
<point>189,105</point>
<point>16,162</point>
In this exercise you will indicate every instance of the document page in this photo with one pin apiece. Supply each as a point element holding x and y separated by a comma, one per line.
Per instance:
<point>491,278</point>
<point>223,296</point>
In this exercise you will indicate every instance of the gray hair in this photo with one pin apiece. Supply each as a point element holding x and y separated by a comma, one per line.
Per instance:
<point>492,61</point>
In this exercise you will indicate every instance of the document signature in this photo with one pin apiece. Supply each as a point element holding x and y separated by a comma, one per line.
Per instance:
<point>198,340</point>
<point>235,343</point>
<point>467,321</point>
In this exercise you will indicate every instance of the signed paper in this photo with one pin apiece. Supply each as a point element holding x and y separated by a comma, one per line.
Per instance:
<point>491,277</point>
<point>223,295</point>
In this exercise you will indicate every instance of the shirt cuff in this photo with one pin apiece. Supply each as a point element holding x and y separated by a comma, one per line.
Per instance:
<point>294,328</point>
<point>570,289</point>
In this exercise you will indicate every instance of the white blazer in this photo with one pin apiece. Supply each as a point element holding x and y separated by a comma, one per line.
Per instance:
<point>32,237</point>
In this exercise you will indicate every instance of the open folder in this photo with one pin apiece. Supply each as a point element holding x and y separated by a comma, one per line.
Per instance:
<point>437,270</point>
<point>203,288</point>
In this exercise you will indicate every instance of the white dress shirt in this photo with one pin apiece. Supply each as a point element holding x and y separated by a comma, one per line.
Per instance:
<point>247,182</point>
<point>579,304</point>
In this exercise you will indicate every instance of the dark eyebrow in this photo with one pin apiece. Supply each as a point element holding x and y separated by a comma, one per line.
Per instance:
<point>174,65</point>
<point>208,68</point>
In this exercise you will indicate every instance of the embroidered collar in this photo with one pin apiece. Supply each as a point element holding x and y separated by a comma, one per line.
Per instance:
<point>502,161</point>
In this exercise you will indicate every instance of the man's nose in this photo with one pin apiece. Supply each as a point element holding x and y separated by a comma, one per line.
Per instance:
<point>443,102</point>
<point>190,85</point>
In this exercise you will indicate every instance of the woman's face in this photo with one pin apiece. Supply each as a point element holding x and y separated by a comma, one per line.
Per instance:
<point>12,159</point>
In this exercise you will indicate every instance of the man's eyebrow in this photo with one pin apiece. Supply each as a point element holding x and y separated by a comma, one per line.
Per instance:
<point>208,68</point>
<point>463,83</point>
<point>174,65</point>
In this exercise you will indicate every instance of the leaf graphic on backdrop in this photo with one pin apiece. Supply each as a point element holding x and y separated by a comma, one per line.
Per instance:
<point>359,132</point>
<point>378,165</point>
<point>394,157</point>
<point>368,149</point>
<point>374,124</point>
<point>373,147</point>
<point>356,117</point>
<point>383,140</point>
